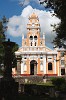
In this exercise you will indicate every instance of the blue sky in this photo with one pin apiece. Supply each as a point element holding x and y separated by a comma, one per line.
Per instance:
<point>12,7</point>
<point>12,10</point>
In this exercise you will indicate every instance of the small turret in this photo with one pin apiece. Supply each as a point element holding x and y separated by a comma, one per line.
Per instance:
<point>22,36</point>
<point>44,36</point>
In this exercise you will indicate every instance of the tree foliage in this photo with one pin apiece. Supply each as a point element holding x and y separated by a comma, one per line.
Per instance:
<point>3,28</point>
<point>59,7</point>
<point>2,38</point>
<point>59,83</point>
<point>14,60</point>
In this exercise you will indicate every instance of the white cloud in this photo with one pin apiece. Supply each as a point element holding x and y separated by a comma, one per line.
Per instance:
<point>17,24</point>
<point>27,11</point>
<point>26,2</point>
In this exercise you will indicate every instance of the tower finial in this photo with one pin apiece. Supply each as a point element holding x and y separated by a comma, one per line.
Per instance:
<point>43,35</point>
<point>22,36</point>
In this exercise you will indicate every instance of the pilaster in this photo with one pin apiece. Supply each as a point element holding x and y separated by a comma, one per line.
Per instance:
<point>44,63</point>
<point>22,67</point>
<point>54,64</point>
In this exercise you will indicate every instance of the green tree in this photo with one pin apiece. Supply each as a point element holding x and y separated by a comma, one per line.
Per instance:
<point>59,7</point>
<point>59,83</point>
<point>3,28</point>
<point>2,38</point>
<point>14,60</point>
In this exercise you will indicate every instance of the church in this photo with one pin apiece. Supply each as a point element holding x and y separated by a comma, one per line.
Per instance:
<point>35,57</point>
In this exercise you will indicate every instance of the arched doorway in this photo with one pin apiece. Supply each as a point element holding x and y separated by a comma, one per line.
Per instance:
<point>33,67</point>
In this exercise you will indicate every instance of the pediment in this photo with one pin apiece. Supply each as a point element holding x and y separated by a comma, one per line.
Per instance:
<point>47,49</point>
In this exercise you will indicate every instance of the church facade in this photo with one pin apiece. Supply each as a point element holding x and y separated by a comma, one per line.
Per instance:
<point>35,57</point>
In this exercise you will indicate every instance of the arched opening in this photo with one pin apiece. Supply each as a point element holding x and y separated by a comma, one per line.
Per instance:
<point>49,66</point>
<point>35,37</point>
<point>31,43</point>
<point>35,43</point>
<point>62,71</point>
<point>31,37</point>
<point>33,67</point>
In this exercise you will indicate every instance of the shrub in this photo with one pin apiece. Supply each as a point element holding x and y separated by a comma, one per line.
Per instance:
<point>58,83</point>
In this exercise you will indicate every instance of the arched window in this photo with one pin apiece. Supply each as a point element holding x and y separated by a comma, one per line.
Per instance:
<point>25,43</point>
<point>49,66</point>
<point>41,43</point>
<point>31,43</point>
<point>31,37</point>
<point>35,37</point>
<point>35,43</point>
<point>62,54</point>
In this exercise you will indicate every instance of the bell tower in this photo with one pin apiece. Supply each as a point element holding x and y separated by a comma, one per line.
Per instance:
<point>33,28</point>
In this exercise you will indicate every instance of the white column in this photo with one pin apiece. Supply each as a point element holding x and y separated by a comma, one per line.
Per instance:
<point>58,70</point>
<point>29,62</point>
<point>44,38</point>
<point>21,67</point>
<point>55,64</point>
<point>65,62</point>
<point>33,42</point>
<point>44,63</point>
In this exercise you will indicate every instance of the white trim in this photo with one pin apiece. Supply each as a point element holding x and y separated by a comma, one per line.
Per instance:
<point>58,70</point>
<point>25,67</point>
<point>21,67</point>
<point>41,66</point>
<point>44,63</point>
<point>54,66</point>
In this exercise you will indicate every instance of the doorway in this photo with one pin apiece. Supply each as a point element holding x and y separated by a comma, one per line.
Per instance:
<point>62,71</point>
<point>33,67</point>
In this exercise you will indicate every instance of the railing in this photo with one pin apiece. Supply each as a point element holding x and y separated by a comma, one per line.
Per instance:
<point>32,48</point>
<point>34,27</point>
